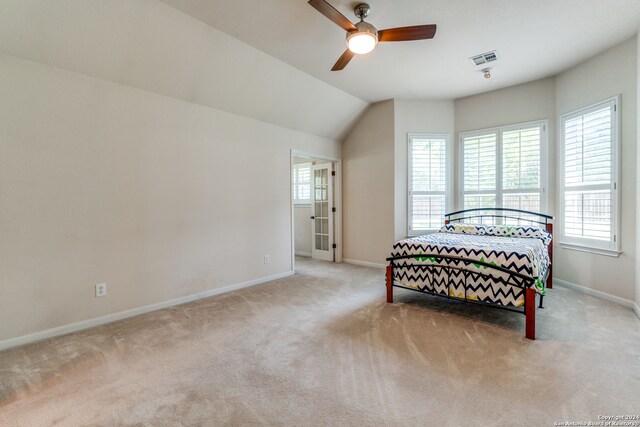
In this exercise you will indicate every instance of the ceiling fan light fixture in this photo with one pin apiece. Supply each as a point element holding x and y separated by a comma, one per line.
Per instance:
<point>363,40</point>
<point>361,43</point>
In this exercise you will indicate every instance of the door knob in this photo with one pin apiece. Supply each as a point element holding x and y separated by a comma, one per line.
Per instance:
<point>313,217</point>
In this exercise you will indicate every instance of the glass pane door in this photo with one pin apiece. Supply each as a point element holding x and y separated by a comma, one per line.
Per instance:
<point>322,222</point>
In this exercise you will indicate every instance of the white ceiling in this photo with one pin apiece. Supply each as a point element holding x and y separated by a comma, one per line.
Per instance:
<point>534,39</point>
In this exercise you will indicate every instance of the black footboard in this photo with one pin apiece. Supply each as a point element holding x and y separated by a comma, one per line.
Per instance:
<point>451,265</point>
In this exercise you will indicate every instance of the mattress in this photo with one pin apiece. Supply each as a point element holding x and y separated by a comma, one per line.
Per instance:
<point>518,249</point>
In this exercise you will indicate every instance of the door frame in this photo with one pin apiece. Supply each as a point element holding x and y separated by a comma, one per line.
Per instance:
<point>337,203</point>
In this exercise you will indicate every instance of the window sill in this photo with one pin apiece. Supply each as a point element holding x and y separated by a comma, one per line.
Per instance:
<point>598,251</point>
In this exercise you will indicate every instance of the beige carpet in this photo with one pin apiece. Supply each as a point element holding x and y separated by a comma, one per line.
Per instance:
<point>323,348</point>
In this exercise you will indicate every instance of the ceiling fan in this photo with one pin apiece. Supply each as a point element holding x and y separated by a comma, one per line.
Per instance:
<point>363,37</point>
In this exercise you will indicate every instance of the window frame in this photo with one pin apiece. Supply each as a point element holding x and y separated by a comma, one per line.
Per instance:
<point>499,190</point>
<point>448,180</point>
<point>611,247</point>
<point>295,185</point>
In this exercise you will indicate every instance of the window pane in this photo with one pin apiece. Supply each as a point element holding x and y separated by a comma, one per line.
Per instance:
<point>523,201</point>
<point>521,159</point>
<point>428,212</point>
<point>588,214</point>
<point>480,201</point>
<point>479,166</point>
<point>428,161</point>
<point>587,146</point>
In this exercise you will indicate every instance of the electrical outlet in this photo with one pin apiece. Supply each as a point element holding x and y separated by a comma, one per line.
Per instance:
<point>101,290</point>
<point>266,259</point>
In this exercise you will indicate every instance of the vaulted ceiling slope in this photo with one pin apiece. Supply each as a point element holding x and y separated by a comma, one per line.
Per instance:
<point>149,45</point>
<point>534,39</point>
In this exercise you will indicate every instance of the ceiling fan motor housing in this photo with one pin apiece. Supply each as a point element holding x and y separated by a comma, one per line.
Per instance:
<point>364,27</point>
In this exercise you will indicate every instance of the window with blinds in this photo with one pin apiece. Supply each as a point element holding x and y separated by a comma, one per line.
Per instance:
<point>521,168</point>
<point>479,170</point>
<point>302,183</point>
<point>427,183</point>
<point>503,167</point>
<point>589,174</point>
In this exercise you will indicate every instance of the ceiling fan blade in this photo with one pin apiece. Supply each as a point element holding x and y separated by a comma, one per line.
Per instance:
<point>418,32</point>
<point>330,12</point>
<point>343,60</point>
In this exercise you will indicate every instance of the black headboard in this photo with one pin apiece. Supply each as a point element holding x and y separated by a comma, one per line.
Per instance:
<point>481,214</point>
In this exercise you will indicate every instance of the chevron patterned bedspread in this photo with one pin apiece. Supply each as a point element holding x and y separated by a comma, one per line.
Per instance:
<point>525,255</point>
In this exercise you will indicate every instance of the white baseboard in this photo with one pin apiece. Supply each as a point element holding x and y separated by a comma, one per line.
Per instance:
<point>364,263</point>
<point>89,323</point>
<point>599,294</point>
<point>307,254</point>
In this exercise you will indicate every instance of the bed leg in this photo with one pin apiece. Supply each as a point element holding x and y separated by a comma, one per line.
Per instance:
<point>389,284</point>
<point>530,313</point>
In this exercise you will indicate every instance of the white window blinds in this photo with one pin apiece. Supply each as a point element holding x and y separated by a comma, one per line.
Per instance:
<point>302,183</point>
<point>427,182</point>
<point>521,170</point>
<point>503,167</point>
<point>479,170</point>
<point>589,189</point>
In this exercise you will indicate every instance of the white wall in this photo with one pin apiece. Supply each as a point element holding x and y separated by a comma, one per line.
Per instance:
<point>416,116</point>
<point>157,197</point>
<point>610,73</point>
<point>126,169</point>
<point>302,226</point>
<point>303,233</point>
<point>149,45</point>
<point>368,174</point>
<point>302,221</point>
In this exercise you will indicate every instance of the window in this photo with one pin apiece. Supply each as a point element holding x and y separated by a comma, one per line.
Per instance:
<point>503,167</point>
<point>302,183</point>
<point>427,182</point>
<point>589,171</point>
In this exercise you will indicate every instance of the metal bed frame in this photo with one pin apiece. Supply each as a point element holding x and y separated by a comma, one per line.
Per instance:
<point>515,279</point>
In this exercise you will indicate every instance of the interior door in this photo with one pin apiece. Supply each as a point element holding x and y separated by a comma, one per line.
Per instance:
<point>322,216</point>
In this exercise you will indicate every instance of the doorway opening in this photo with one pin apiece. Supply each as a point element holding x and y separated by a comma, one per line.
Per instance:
<point>315,205</point>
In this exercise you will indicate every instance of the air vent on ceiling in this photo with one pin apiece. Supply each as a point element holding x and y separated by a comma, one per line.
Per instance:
<point>484,58</point>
